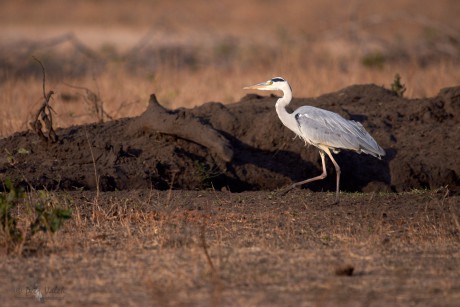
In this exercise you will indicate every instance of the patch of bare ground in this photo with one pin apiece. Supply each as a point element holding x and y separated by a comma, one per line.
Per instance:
<point>173,248</point>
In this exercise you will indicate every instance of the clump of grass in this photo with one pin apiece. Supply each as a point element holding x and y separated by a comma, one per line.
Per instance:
<point>11,233</point>
<point>397,87</point>
<point>47,218</point>
<point>206,173</point>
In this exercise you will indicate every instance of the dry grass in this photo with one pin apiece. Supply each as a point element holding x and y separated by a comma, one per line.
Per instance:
<point>208,52</point>
<point>147,247</point>
<point>127,95</point>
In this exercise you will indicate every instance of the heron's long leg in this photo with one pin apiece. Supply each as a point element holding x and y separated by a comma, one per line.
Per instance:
<point>320,177</point>
<point>337,171</point>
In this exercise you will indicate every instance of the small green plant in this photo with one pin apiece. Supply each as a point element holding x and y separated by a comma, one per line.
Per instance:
<point>206,173</point>
<point>8,223</point>
<point>10,157</point>
<point>23,151</point>
<point>48,217</point>
<point>397,87</point>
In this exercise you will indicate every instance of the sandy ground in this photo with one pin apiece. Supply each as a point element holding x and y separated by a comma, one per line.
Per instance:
<point>146,247</point>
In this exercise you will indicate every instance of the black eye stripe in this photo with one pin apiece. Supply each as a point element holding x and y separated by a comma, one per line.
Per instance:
<point>278,79</point>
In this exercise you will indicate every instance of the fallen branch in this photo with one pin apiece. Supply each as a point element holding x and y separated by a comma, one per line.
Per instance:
<point>182,124</point>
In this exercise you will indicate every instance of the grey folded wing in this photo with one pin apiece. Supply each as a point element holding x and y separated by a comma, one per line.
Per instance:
<point>322,127</point>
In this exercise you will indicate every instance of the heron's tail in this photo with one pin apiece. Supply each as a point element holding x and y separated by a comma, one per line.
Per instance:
<point>378,152</point>
<point>367,144</point>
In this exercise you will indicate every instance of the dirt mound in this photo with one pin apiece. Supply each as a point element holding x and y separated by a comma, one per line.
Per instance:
<point>244,146</point>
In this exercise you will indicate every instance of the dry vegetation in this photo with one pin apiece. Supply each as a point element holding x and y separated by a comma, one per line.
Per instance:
<point>201,248</point>
<point>190,54</point>
<point>217,248</point>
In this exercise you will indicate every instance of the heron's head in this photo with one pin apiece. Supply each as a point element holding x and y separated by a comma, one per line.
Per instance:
<point>274,84</point>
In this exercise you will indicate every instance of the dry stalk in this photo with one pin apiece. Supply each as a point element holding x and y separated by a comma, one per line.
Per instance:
<point>96,176</point>
<point>45,112</point>
<point>217,283</point>
<point>205,247</point>
<point>94,100</point>
<point>452,211</point>
<point>169,195</point>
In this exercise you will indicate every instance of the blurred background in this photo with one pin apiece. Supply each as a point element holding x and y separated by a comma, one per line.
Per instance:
<point>104,58</point>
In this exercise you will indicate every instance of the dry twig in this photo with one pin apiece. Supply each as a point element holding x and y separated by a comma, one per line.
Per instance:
<point>215,274</point>
<point>44,115</point>
<point>94,100</point>
<point>205,247</point>
<point>96,178</point>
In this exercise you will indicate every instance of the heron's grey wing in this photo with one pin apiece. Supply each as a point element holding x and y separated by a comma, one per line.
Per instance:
<point>322,127</point>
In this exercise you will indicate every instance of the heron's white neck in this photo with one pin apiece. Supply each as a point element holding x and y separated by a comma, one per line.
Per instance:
<point>286,118</point>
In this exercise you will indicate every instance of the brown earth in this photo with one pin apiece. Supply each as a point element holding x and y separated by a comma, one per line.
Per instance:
<point>142,246</point>
<point>244,146</point>
<point>146,247</point>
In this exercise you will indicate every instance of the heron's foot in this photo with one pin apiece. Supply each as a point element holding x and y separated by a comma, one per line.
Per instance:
<point>336,200</point>
<point>283,191</point>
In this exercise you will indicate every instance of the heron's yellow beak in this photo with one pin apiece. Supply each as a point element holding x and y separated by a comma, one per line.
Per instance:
<point>260,86</point>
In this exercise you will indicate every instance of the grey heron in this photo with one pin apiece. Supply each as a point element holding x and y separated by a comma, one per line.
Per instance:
<point>326,130</point>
